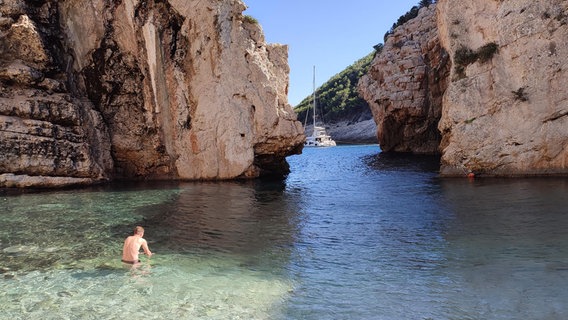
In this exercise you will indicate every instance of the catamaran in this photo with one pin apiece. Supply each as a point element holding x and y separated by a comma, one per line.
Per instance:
<point>319,137</point>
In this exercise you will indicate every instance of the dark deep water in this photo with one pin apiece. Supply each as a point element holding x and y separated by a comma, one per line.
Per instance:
<point>350,234</point>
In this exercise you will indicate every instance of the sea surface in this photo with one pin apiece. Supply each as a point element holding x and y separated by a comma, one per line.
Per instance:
<point>351,233</point>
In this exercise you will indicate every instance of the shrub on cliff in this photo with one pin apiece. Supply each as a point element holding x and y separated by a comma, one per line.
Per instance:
<point>486,52</point>
<point>425,3</point>
<point>250,19</point>
<point>465,56</point>
<point>411,14</point>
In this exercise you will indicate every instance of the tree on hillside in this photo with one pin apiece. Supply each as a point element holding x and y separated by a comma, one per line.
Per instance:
<point>378,48</point>
<point>338,98</point>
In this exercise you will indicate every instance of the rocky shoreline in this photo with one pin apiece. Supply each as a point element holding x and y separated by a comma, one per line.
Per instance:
<point>345,132</point>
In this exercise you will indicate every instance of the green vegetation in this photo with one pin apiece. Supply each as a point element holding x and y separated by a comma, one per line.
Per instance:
<point>520,94</point>
<point>486,52</point>
<point>338,99</point>
<point>250,19</point>
<point>465,56</point>
<point>411,14</point>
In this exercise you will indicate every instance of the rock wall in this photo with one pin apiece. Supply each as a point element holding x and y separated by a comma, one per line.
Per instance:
<point>359,132</point>
<point>500,103</point>
<point>48,136</point>
<point>505,111</point>
<point>405,84</point>
<point>179,89</point>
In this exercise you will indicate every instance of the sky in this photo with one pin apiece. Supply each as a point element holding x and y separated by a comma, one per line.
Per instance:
<point>328,34</point>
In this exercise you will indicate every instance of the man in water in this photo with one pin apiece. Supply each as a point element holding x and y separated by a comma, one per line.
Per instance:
<point>132,246</point>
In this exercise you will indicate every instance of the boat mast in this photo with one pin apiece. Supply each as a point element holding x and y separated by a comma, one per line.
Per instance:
<point>314,96</point>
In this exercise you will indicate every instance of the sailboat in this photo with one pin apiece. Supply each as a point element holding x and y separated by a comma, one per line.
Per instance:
<point>319,137</point>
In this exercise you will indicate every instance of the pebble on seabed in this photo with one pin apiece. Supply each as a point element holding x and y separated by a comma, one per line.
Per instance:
<point>20,249</point>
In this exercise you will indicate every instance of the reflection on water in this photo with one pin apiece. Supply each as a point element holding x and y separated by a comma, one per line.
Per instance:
<point>350,234</point>
<point>404,162</point>
<point>244,218</point>
<point>508,240</point>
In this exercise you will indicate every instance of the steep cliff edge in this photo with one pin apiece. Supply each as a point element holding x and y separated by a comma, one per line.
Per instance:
<point>505,111</point>
<point>179,89</point>
<point>405,84</point>
<point>491,75</point>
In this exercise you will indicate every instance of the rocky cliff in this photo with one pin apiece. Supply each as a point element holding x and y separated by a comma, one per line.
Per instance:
<point>490,74</point>
<point>505,111</point>
<point>405,84</point>
<point>180,89</point>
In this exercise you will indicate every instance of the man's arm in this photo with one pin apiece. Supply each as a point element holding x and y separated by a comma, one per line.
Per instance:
<point>145,248</point>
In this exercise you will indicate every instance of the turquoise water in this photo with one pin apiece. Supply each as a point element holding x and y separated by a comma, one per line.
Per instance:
<point>350,234</point>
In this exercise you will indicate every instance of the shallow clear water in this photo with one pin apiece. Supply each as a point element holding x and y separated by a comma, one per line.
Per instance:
<point>350,234</point>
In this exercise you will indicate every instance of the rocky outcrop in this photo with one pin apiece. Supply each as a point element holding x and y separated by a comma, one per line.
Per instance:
<point>48,136</point>
<point>357,132</point>
<point>96,90</point>
<point>505,111</point>
<point>405,85</point>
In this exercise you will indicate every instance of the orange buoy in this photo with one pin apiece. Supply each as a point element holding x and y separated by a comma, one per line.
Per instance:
<point>471,175</point>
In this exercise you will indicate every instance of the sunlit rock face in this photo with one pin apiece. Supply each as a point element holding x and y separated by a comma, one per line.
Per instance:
<point>505,113</point>
<point>405,84</point>
<point>496,76</point>
<point>181,89</point>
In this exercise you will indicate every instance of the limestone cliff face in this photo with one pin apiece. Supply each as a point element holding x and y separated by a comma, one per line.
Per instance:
<point>179,89</point>
<point>405,84</point>
<point>505,111</point>
<point>48,136</point>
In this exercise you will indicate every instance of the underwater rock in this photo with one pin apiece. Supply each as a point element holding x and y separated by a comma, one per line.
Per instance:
<point>20,249</point>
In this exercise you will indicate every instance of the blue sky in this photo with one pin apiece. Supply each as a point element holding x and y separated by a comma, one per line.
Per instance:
<point>330,34</point>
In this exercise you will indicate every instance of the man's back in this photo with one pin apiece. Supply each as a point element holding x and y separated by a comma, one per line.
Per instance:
<point>131,248</point>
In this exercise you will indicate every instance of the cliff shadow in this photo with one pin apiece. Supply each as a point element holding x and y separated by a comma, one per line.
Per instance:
<point>407,162</point>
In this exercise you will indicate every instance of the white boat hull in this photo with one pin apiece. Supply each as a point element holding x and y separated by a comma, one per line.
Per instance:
<point>319,139</point>
<point>312,143</point>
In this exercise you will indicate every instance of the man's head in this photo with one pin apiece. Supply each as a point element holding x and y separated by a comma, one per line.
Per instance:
<point>139,231</point>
